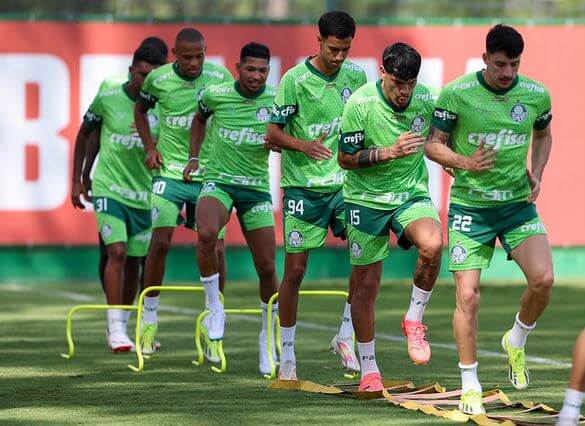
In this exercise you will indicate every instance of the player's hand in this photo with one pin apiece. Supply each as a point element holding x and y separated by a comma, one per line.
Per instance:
<point>535,185</point>
<point>153,159</point>
<point>270,147</point>
<point>483,159</point>
<point>407,143</point>
<point>192,167</point>
<point>76,191</point>
<point>316,150</point>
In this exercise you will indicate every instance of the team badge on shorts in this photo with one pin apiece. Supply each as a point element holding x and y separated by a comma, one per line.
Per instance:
<point>417,124</point>
<point>345,94</point>
<point>295,238</point>
<point>154,214</point>
<point>263,115</point>
<point>518,113</point>
<point>356,249</point>
<point>106,231</point>
<point>458,254</point>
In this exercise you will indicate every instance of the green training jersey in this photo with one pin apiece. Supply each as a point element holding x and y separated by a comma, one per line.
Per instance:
<point>309,104</point>
<point>236,134</point>
<point>370,120</point>
<point>177,97</point>
<point>120,173</point>
<point>472,112</point>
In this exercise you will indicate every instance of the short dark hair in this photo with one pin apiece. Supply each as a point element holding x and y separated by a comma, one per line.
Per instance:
<point>255,50</point>
<point>402,61</point>
<point>503,38</point>
<point>190,35</point>
<point>338,24</point>
<point>158,43</point>
<point>148,54</point>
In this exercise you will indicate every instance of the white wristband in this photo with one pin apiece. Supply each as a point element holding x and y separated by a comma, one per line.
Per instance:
<point>193,158</point>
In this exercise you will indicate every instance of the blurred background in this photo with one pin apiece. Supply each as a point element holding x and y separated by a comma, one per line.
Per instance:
<point>55,53</point>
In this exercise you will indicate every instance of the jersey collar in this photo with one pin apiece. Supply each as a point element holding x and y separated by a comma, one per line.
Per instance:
<point>254,96</point>
<point>387,102</point>
<point>327,78</point>
<point>127,92</point>
<point>176,69</point>
<point>482,81</point>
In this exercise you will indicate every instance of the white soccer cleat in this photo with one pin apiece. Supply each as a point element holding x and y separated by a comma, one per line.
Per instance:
<point>287,371</point>
<point>264,364</point>
<point>216,324</point>
<point>345,349</point>
<point>118,341</point>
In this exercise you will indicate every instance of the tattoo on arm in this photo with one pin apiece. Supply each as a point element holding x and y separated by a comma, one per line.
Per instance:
<point>367,157</point>
<point>437,136</point>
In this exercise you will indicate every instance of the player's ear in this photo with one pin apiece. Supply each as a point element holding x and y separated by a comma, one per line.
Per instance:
<point>484,56</point>
<point>382,72</point>
<point>238,65</point>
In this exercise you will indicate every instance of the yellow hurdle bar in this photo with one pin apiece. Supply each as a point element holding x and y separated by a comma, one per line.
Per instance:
<point>140,357</point>
<point>223,361</point>
<point>274,297</point>
<point>74,310</point>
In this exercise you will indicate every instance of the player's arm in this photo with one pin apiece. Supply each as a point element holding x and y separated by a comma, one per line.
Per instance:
<point>541,147</point>
<point>196,137</point>
<point>314,149</point>
<point>153,158</point>
<point>348,158</point>
<point>79,154</point>
<point>93,147</point>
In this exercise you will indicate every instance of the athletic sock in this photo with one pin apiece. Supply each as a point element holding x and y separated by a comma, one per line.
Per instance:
<point>572,404</point>
<point>418,302</point>
<point>519,333</point>
<point>115,322</point>
<point>469,379</point>
<point>287,337</point>
<point>149,313</point>
<point>367,353</point>
<point>346,327</point>
<point>125,317</point>
<point>265,316</point>
<point>211,285</point>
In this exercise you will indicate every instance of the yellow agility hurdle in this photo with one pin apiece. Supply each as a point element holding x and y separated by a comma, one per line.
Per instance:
<point>223,361</point>
<point>69,322</point>
<point>274,297</point>
<point>140,357</point>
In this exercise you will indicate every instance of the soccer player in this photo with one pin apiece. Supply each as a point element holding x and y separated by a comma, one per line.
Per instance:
<point>121,190</point>
<point>176,88</point>
<point>305,125</point>
<point>386,188</point>
<point>489,118</point>
<point>571,411</point>
<point>85,153</point>
<point>236,176</point>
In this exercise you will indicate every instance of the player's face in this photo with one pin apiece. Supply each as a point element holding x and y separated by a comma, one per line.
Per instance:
<point>334,50</point>
<point>501,70</point>
<point>190,57</point>
<point>253,73</point>
<point>139,71</point>
<point>399,91</point>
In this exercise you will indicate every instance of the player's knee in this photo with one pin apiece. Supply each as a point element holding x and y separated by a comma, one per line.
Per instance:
<point>542,282</point>
<point>266,270</point>
<point>431,249</point>
<point>159,247</point>
<point>117,254</point>
<point>207,237</point>
<point>295,273</point>
<point>468,300</point>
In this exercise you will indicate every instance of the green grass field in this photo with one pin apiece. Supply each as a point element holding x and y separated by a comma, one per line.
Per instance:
<point>37,386</point>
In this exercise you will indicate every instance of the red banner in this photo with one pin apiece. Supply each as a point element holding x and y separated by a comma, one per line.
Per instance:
<point>49,72</point>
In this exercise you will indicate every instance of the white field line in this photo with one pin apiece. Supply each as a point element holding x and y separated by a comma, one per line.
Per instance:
<point>80,297</point>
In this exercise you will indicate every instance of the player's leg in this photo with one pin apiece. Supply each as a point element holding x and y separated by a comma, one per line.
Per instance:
<point>343,343</point>
<point>211,216</point>
<point>526,242</point>
<point>575,394</point>
<point>421,228</point>
<point>102,262</point>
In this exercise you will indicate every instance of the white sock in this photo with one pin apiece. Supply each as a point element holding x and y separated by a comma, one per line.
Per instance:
<point>115,321</point>
<point>346,327</point>
<point>519,333</point>
<point>572,404</point>
<point>287,337</point>
<point>265,316</point>
<point>367,353</point>
<point>469,379</point>
<point>418,302</point>
<point>149,313</point>
<point>125,317</point>
<point>211,285</point>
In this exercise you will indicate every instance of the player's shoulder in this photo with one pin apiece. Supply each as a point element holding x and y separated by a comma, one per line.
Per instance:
<point>225,88</point>
<point>425,94</point>
<point>297,73</point>
<point>532,86</point>
<point>216,72</point>
<point>366,94</point>
<point>110,88</point>
<point>269,91</point>
<point>113,81</point>
<point>463,84</point>
<point>160,74</point>
<point>351,68</point>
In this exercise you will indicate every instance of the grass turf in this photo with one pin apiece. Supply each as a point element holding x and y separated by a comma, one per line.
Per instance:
<point>37,386</point>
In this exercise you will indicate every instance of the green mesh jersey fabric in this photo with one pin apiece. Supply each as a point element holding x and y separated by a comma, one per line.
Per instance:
<point>370,120</point>
<point>177,97</point>
<point>236,135</point>
<point>471,111</point>
<point>309,104</point>
<point>120,173</point>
